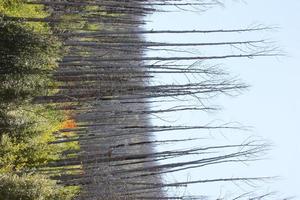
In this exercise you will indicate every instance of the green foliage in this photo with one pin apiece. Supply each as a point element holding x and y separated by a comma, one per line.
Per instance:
<point>26,58</point>
<point>24,142</point>
<point>32,187</point>
<point>31,153</point>
<point>18,8</point>
<point>30,120</point>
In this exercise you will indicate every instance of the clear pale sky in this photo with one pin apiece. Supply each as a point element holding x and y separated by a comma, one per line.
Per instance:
<point>271,105</point>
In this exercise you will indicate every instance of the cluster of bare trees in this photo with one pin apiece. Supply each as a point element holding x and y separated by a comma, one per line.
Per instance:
<point>104,80</point>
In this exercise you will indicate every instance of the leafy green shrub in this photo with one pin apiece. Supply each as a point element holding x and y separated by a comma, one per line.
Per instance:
<point>29,154</point>
<point>30,120</point>
<point>27,147</point>
<point>32,187</point>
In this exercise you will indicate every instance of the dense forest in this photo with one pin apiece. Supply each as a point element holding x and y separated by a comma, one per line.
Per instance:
<point>75,95</point>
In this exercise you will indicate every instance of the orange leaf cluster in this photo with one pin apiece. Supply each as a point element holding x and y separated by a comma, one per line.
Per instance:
<point>70,123</point>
